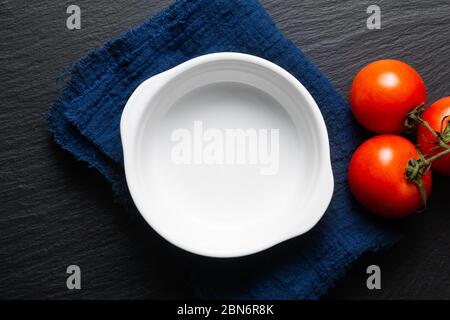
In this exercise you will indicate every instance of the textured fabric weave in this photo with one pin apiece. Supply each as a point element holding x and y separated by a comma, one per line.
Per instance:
<point>85,121</point>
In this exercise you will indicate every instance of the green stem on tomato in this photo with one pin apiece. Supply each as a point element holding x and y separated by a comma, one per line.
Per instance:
<point>417,168</point>
<point>427,126</point>
<point>423,193</point>
<point>439,155</point>
<point>412,118</point>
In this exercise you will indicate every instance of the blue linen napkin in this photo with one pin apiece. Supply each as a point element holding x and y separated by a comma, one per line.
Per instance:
<point>85,119</point>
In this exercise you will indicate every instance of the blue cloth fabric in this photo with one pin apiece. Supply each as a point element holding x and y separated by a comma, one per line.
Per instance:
<point>85,121</point>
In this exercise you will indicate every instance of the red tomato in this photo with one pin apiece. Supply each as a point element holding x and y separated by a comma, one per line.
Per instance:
<point>377,177</point>
<point>383,93</point>
<point>435,115</point>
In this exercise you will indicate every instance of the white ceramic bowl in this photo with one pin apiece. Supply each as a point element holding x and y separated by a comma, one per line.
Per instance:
<point>226,155</point>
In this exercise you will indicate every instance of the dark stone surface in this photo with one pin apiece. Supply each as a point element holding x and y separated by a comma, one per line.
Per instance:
<point>55,212</point>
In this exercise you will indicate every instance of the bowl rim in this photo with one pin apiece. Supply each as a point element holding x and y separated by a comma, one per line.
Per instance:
<point>131,120</point>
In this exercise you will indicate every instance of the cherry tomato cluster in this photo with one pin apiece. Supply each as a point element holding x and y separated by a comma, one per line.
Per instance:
<point>388,174</point>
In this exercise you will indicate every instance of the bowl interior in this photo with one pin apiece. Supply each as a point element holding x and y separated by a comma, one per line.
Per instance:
<point>227,159</point>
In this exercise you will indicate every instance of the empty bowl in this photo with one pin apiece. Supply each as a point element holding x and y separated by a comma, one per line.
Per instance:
<point>226,155</point>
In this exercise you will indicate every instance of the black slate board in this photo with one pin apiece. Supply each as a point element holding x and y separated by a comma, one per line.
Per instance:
<point>55,212</point>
